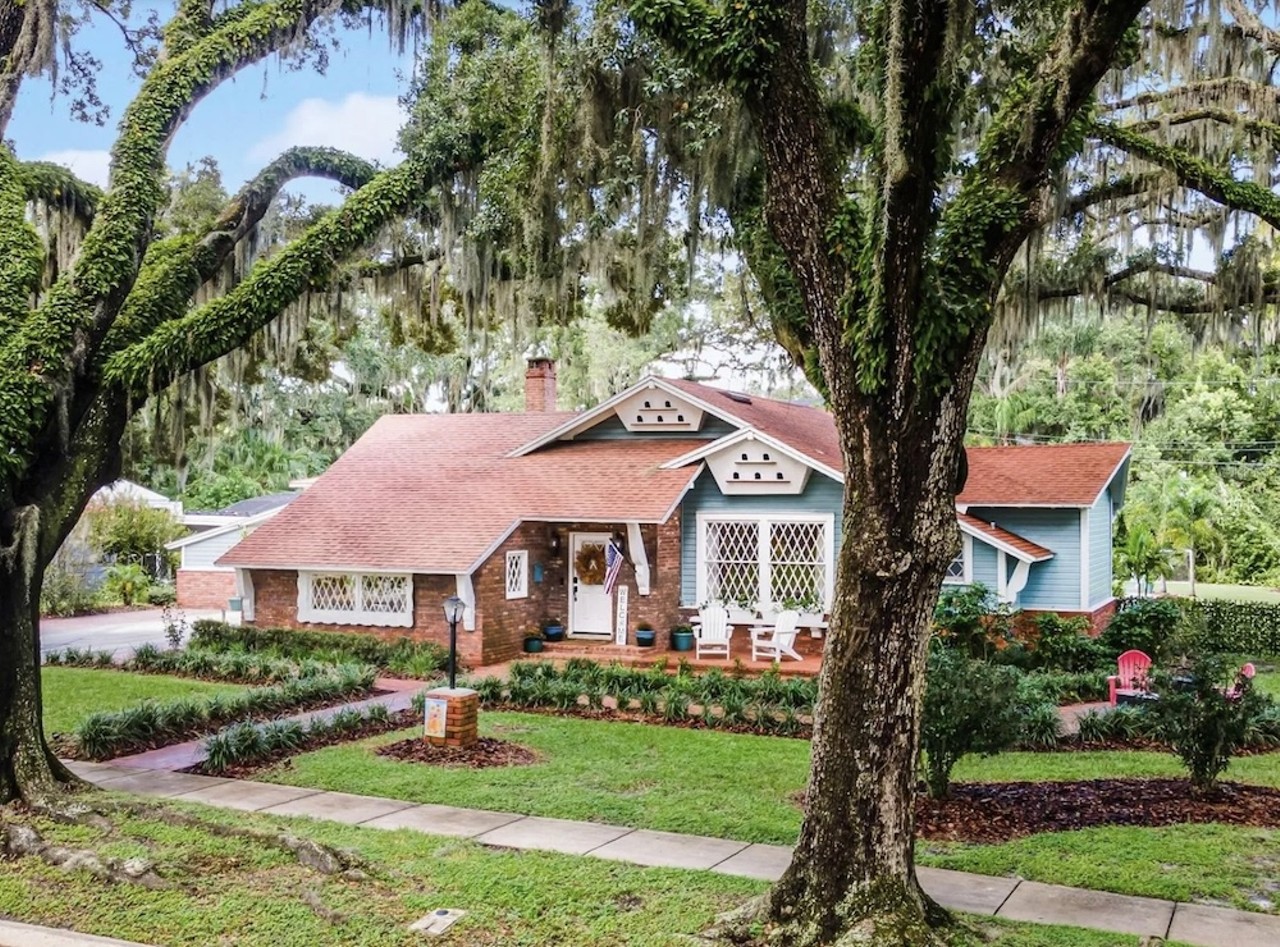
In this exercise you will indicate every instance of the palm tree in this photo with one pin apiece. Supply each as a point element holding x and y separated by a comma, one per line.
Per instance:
<point>1188,522</point>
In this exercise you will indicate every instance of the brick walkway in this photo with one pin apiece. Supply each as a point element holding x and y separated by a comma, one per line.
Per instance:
<point>1010,898</point>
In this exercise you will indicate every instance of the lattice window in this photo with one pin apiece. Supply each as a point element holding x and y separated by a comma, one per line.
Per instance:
<point>386,594</point>
<point>732,557</point>
<point>798,565</point>
<point>765,562</point>
<point>958,569</point>
<point>518,574</point>
<point>333,593</point>
<point>351,598</point>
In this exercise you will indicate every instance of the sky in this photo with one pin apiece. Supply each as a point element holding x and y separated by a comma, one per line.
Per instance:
<point>245,123</point>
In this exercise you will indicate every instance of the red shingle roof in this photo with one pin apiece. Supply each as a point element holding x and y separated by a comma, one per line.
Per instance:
<point>433,493</point>
<point>1036,552</point>
<point>1040,475</point>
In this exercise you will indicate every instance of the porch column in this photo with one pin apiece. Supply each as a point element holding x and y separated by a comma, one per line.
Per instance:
<point>639,557</point>
<point>467,593</point>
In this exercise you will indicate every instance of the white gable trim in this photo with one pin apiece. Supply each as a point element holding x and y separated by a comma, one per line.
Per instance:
<point>588,419</point>
<point>241,522</point>
<point>1000,545</point>
<point>1114,473</point>
<point>751,434</point>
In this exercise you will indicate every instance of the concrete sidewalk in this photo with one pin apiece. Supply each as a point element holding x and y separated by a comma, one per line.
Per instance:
<point>1010,898</point>
<point>13,934</point>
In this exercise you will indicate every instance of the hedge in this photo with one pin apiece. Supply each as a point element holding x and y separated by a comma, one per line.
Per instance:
<point>401,656</point>
<point>1224,626</point>
<point>233,667</point>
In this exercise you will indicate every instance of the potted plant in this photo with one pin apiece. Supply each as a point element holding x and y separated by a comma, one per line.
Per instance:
<point>645,635</point>
<point>682,638</point>
<point>552,630</point>
<point>532,643</point>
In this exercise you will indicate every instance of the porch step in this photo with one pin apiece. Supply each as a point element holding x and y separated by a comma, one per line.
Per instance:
<point>637,657</point>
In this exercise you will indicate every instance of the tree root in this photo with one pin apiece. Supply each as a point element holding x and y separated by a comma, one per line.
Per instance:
<point>321,910</point>
<point>22,841</point>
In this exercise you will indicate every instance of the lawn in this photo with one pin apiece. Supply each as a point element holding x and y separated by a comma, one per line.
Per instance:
<point>1216,863</point>
<point>234,890</point>
<point>70,694</point>
<point>1235,593</point>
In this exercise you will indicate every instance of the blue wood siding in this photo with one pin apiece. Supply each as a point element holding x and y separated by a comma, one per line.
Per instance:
<point>821,495</point>
<point>985,563</point>
<point>1054,584</point>
<point>203,553</point>
<point>612,429</point>
<point>1100,550</point>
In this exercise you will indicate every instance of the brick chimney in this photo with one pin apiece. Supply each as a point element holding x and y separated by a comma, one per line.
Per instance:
<point>540,385</point>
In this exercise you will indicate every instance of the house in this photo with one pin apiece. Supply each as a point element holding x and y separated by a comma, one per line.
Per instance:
<point>201,582</point>
<point>711,494</point>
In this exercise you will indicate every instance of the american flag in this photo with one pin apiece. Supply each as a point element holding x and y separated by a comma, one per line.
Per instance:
<point>612,566</point>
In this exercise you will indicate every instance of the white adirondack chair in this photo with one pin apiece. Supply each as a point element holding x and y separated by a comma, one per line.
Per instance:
<point>714,631</point>
<point>779,640</point>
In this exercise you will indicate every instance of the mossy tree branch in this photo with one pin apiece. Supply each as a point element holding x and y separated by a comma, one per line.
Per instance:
<point>21,253</point>
<point>53,184</point>
<point>178,266</point>
<point>221,326</point>
<point>1194,173</point>
<point>1238,89</point>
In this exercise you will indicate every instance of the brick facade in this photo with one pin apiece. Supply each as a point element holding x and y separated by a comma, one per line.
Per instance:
<point>1098,619</point>
<point>502,623</point>
<point>205,588</point>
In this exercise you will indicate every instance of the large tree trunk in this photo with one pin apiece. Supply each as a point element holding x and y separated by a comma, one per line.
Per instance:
<point>28,770</point>
<point>853,872</point>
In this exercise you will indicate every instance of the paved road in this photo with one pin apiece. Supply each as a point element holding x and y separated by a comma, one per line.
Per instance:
<point>119,632</point>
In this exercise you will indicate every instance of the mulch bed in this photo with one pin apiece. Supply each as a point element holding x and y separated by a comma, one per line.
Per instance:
<point>486,752</point>
<point>634,715</point>
<point>999,812</point>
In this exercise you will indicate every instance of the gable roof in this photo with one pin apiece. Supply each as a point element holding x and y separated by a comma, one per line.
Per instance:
<point>436,493</point>
<point>1046,475</point>
<point>1012,543</point>
<point>238,523</point>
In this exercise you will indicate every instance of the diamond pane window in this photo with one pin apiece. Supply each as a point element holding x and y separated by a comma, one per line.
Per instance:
<point>763,562</point>
<point>732,557</point>
<point>956,569</point>
<point>518,574</point>
<point>385,593</point>
<point>352,598</point>
<point>333,593</point>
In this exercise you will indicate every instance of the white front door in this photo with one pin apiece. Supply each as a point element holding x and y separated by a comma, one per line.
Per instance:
<point>590,609</point>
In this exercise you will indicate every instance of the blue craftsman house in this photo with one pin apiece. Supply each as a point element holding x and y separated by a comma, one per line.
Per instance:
<point>712,495</point>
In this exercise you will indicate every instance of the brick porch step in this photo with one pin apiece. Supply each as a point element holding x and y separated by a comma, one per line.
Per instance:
<point>637,657</point>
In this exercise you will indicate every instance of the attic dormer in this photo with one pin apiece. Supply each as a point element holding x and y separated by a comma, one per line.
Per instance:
<point>752,467</point>
<point>654,409</point>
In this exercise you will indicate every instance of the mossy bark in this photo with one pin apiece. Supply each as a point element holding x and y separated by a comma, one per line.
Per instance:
<point>28,770</point>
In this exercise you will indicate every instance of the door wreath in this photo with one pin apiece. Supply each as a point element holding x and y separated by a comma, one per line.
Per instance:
<point>589,564</point>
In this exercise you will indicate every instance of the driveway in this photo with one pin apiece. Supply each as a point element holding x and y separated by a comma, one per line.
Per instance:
<point>118,632</point>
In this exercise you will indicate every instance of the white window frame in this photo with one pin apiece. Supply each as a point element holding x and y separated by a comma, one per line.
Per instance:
<point>519,558</point>
<point>965,554</point>
<point>358,615</point>
<point>763,556</point>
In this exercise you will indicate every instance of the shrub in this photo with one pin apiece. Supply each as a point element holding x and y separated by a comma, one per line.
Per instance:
<point>131,532</point>
<point>162,594</point>
<point>1222,626</point>
<point>248,742</point>
<point>1039,725</point>
<point>1064,644</point>
<point>969,707</point>
<point>103,735</point>
<point>126,583</point>
<point>1066,687</point>
<point>66,590</point>
<point>403,655</point>
<point>1207,722</point>
<point>1147,625</point>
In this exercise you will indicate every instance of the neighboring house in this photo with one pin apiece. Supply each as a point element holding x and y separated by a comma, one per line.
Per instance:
<point>713,495</point>
<point>201,582</point>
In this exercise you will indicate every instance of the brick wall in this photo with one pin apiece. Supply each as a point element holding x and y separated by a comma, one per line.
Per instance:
<point>1098,619</point>
<point>275,596</point>
<point>502,623</point>
<point>203,589</point>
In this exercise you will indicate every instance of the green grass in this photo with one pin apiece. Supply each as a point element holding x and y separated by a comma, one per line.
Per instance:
<point>1268,682</point>
<point>1216,863</point>
<point>71,694</point>
<point>722,784</point>
<point>238,891</point>
<point>1235,593</point>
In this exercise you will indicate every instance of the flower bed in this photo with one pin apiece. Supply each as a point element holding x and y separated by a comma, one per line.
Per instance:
<point>232,667</point>
<point>401,657</point>
<point>153,724</point>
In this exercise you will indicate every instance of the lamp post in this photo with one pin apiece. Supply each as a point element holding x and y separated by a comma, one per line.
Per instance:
<point>454,608</point>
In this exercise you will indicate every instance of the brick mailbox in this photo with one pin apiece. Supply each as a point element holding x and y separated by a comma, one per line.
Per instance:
<point>452,717</point>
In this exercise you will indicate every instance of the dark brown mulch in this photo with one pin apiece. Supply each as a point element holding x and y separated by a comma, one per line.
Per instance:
<point>998,812</point>
<point>484,753</point>
<point>635,715</point>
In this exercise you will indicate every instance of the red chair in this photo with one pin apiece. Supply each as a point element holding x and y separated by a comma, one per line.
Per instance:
<point>1131,680</point>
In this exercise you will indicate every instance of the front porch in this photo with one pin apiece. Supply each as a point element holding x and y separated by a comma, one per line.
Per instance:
<point>635,656</point>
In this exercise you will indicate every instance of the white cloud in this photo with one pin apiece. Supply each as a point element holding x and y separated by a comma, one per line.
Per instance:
<point>91,166</point>
<point>365,125</point>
